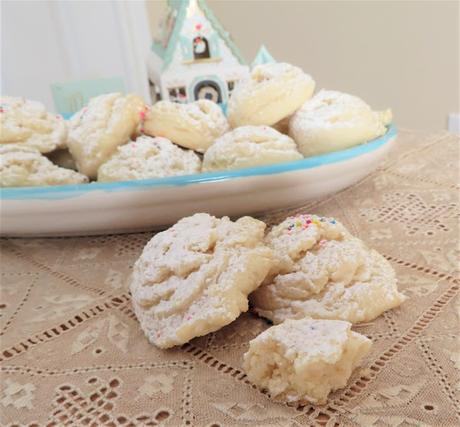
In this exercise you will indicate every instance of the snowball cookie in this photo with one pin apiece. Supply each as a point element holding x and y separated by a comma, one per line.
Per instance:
<point>194,278</point>
<point>332,121</point>
<point>250,146</point>
<point>271,93</point>
<point>323,272</point>
<point>23,166</point>
<point>195,125</point>
<point>304,360</point>
<point>149,158</point>
<point>98,129</point>
<point>28,123</point>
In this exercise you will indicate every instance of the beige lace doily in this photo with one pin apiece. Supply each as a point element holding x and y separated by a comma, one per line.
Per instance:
<point>73,353</point>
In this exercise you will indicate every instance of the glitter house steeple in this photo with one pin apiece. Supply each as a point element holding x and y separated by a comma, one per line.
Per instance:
<point>193,57</point>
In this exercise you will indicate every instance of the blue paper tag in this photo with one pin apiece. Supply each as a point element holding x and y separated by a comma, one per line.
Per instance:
<point>71,97</point>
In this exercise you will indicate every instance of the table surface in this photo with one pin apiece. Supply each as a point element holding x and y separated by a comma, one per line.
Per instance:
<point>73,353</point>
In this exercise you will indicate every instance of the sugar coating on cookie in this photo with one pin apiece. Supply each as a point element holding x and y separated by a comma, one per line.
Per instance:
<point>332,121</point>
<point>23,166</point>
<point>27,122</point>
<point>149,157</point>
<point>304,360</point>
<point>195,125</point>
<point>271,93</point>
<point>323,272</point>
<point>98,129</point>
<point>194,278</point>
<point>250,146</point>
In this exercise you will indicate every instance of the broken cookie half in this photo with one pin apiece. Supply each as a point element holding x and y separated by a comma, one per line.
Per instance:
<point>305,360</point>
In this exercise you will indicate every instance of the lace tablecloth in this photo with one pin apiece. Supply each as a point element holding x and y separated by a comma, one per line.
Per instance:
<point>73,353</point>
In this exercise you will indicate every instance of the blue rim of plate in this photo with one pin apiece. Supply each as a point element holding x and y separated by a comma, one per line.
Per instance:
<point>74,190</point>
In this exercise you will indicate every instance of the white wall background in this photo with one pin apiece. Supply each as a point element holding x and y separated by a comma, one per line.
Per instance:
<point>51,41</point>
<point>399,54</point>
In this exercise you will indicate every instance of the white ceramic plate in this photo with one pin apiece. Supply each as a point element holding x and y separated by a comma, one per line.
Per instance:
<point>100,208</point>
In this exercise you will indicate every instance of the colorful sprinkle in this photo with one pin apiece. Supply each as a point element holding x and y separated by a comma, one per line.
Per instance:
<point>303,221</point>
<point>142,115</point>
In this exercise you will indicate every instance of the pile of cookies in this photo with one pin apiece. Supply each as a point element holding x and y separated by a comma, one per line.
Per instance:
<point>308,275</point>
<point>272,117</point>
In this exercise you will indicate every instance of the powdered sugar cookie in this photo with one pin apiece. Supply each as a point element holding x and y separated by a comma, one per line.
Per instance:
<point>98,129</point>
<point>323,272</point>
<point>149,158</point>
<point>250,146</point>
<point>304,360</point>
<point>27,122</point>
<point>23,166</point>
<point>194,278</point>
<point>272,92</point>
<point>332,121</point>
<point>195,125</point>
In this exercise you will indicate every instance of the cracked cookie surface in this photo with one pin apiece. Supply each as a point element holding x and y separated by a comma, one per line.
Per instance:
<point>195,125</point>
<point>332,121</point>
<point>271,93</point>
<point>149,158</point>
<point>194,278</point>
<point>27,123</point>
<point>324,272</point>
<point>100,128</point>
<point>249,146</point>
<point>22,166</point>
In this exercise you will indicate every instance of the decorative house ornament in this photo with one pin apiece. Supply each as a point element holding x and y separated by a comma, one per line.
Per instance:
<point>263,57</point>
<point>193,57</point>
